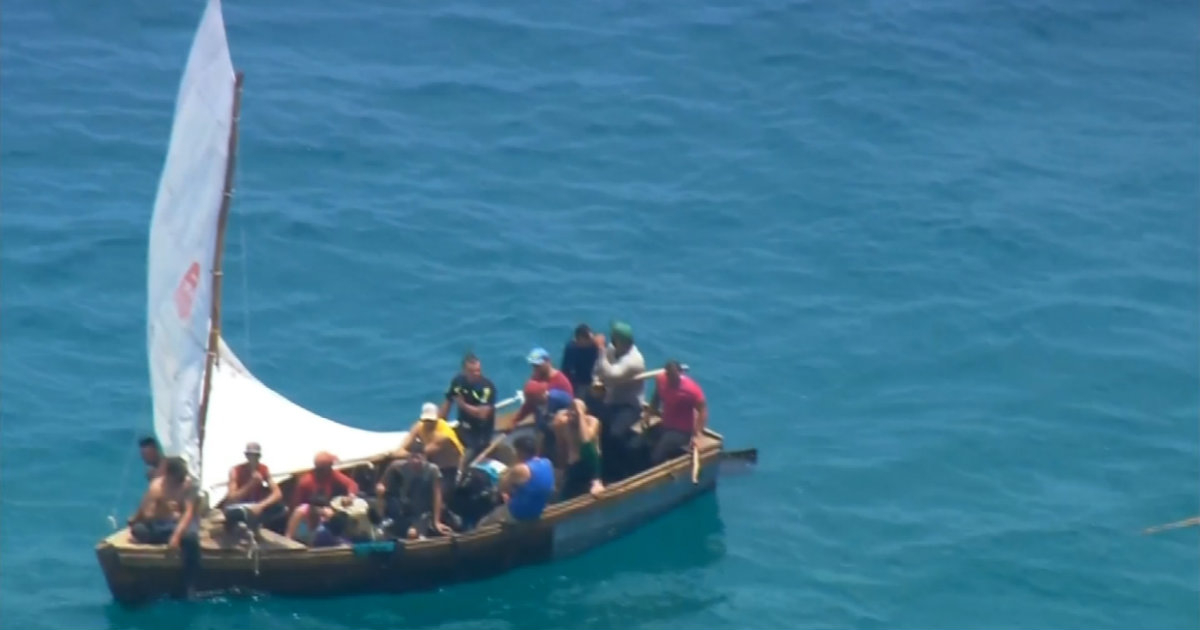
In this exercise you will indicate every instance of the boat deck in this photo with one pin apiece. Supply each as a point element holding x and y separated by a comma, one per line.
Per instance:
<point>212,538</point>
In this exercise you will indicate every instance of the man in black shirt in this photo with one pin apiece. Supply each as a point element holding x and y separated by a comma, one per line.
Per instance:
<point>579,359</point>
<point>475,396</point>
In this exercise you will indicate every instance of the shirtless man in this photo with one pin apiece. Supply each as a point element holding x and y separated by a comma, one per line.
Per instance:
<point>168,513</point>
<point>579,451</point>
<point>152,457</point>
<point>167,508</point>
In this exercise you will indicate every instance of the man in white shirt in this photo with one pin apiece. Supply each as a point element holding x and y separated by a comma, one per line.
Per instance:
<point>617,369</point>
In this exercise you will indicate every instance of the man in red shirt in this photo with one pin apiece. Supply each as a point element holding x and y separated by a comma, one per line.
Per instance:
<point>315,490</point>
<point>543,372</point>
<point>253,497</point>
<point>680,403</point>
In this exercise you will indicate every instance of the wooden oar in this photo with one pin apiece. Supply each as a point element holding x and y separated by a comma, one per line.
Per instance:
<point>749,455</point>
<point>490,447</point>
<point>745,456</point>
<point>695,465</point>
<point>485,452</point>
<point>738,461</point>
<point>651,374</point>
<point>519,398</point>
<point>1187,522</point>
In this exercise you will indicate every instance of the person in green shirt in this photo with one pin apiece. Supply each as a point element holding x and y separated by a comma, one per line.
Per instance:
<point>578,437</point>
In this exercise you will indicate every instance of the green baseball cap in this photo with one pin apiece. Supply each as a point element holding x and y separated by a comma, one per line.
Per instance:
<point>621,330</point>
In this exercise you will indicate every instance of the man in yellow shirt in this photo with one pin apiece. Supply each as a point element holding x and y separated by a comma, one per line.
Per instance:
<point>442,446</point>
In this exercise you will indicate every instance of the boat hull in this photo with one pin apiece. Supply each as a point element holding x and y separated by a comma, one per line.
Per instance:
<point>139,574</point>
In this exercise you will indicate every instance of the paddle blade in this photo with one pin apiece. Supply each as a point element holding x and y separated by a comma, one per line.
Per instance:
<point>739,461</point>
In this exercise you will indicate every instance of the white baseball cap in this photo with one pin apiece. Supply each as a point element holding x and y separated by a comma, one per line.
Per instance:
<point>429,411</point>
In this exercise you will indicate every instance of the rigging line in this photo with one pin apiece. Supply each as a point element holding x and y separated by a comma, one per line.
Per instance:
<point>124,480</point>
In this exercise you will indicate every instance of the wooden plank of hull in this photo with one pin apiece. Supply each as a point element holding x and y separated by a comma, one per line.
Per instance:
<point>138,573</point>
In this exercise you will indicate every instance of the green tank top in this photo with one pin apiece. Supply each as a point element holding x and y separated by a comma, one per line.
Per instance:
<point>589,454</point>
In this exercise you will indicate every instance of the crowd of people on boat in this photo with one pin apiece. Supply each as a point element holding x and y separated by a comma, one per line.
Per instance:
<point>587,427</point>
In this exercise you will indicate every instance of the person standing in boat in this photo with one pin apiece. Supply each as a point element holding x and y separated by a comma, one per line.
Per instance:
<point>579,435</point>
<point>475,397</point>
<point>411,495</point>
<point>525,487</point>
<point>315,490</point>
<point>680,403</point>
<point>252,491</point>
<point>167,514</point>
<point>618,369</point>
<point>545,376</point>
<point>440,444</point>
<point>579,359</point>
<point>542,369</point>
<point>152,456</point>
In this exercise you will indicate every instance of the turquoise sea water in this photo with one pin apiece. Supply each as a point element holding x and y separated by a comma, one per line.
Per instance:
<point>937,260</point>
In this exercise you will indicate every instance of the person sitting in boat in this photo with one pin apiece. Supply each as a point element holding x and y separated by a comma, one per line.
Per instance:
<point>346,520</point>
<point>579,359</point>
<point>579,436</point>
<point>152,456</point>
<point>475,397</point>
<point>315,490</point>
<point>411,496</point>
<point>543,403</point>
<point>525,487</point>
<point>441,444</point>
<point>617,370</point>
<point>253,497</point>
<point>167,514</point>
<point>684,412</point>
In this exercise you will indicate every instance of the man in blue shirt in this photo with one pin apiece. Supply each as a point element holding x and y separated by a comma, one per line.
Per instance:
<point>526,487</point>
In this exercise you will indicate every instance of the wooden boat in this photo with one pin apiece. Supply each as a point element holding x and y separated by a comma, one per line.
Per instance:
<point>207,404</point>
<point>277,565</point>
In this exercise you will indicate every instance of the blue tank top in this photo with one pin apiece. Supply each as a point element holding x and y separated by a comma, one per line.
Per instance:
<point>527,502</point>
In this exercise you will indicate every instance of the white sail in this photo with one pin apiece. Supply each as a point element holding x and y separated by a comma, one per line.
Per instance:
<point>183,235</point>
<point>183,240</point>
<point>242,409</point>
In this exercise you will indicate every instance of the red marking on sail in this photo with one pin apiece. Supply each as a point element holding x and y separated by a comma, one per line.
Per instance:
<point>185,294</point>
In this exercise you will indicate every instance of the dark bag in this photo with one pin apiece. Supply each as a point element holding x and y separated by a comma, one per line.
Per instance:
<point>239,514</point>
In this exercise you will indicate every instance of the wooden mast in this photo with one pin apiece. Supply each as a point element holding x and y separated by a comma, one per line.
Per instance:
<point>214,332</point>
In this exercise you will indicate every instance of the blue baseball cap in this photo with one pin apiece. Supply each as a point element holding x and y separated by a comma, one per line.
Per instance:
<point>538,356</point>
<point>557,399</point>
